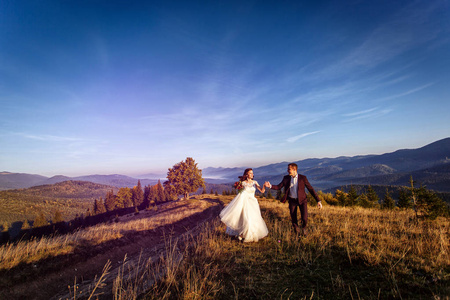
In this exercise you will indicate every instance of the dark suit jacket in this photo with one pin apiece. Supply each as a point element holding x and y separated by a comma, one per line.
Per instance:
<point>302,183</point>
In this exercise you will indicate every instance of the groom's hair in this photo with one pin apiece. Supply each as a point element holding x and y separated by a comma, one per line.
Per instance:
<point>293,165</point>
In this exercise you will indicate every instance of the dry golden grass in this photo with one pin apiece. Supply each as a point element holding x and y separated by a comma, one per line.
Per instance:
<point>12,254</point>
<point>382,236</point>
<point>349,253</point>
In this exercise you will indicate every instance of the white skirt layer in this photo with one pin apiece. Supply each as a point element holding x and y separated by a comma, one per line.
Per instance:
<point>243,217</point>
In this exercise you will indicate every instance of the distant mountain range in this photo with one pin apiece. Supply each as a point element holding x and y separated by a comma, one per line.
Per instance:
<point>429,165</point>
<point>19,180</point>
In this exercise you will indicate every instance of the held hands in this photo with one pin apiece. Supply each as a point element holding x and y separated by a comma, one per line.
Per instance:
<point>268,185</point>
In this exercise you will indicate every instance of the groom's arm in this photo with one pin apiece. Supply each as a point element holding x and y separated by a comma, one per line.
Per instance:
<point>311,190</point>
<point>278,186</point>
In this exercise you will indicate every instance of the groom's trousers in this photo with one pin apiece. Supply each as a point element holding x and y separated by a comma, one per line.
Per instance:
<point>293,204</point>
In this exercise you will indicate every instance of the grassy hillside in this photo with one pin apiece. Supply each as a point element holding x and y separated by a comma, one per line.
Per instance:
<point>40,268</point>
<point>350,253</point>
<point>69,197</point>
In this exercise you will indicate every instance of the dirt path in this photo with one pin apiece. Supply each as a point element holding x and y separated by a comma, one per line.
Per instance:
<point>55,278</point>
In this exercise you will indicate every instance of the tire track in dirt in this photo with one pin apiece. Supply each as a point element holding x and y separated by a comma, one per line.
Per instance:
<point>83,268</point>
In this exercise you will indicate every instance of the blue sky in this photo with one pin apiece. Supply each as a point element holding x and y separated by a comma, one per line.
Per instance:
<point>134,87</point>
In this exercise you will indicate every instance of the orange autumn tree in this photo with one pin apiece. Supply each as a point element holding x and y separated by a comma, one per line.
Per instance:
<point>184,178</point>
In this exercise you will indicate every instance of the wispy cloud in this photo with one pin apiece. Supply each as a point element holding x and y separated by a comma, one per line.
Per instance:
<point>409,92</point>
<point>359,113</point>
<point>300,136</point>
<point>50,138</point>
<point>366,114</point>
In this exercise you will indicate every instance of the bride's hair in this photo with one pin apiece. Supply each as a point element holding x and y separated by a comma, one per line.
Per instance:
<point>245,176</point>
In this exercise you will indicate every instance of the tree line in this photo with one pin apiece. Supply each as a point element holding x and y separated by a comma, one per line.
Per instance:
<point>424,202</point>
<point>182,179</point>
<point>133,197</point>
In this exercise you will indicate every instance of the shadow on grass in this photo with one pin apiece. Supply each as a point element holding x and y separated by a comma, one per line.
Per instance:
<point>330,276</point>
<point>131,243</point>
<point>278,269</point>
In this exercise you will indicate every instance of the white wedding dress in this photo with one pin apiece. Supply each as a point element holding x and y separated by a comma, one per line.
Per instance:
<point>243,215</point>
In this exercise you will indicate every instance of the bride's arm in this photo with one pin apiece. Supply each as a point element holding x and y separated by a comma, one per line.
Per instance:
<point>262,190</point>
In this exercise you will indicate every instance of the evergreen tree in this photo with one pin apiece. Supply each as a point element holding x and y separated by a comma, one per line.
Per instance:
<point>95,207</point>
<point>430,205</point>
<point>404,199</point>
<point>137,195</point>
<point>341,197</point>
<point>269,194</point>
<point>124,196</point>
<point>328,198</point>
<point>278,195</point>
<point>147,190</point>
<point>161,197</point>
<point>185,177</point>
<point>412,190</point>
<point>149,196</point>
<point>40,220</point>
<point>57,218</point>
<point>110,201</point>
<point>211,192</point>
<point>155,194</point>
<point>388,202</point>
<point>364,201</point>
<point>25,225</point>
<point>352,196</point>
<point>100,207</point>
<point>372,197</point>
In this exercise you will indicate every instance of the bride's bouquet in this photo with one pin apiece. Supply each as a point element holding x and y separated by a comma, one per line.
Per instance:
<point>238,186</point>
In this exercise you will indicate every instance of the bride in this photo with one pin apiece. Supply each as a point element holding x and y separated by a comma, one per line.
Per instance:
<point>242,215</point>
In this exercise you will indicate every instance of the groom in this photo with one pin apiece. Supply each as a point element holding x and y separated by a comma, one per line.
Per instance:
<point>294,191</point>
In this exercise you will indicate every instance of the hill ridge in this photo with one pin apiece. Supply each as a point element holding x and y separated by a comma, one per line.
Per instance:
<point>322,172</point>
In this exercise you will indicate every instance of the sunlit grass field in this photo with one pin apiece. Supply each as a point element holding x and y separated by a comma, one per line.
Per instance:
<point>350,253</point>
<point>35,250</point>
